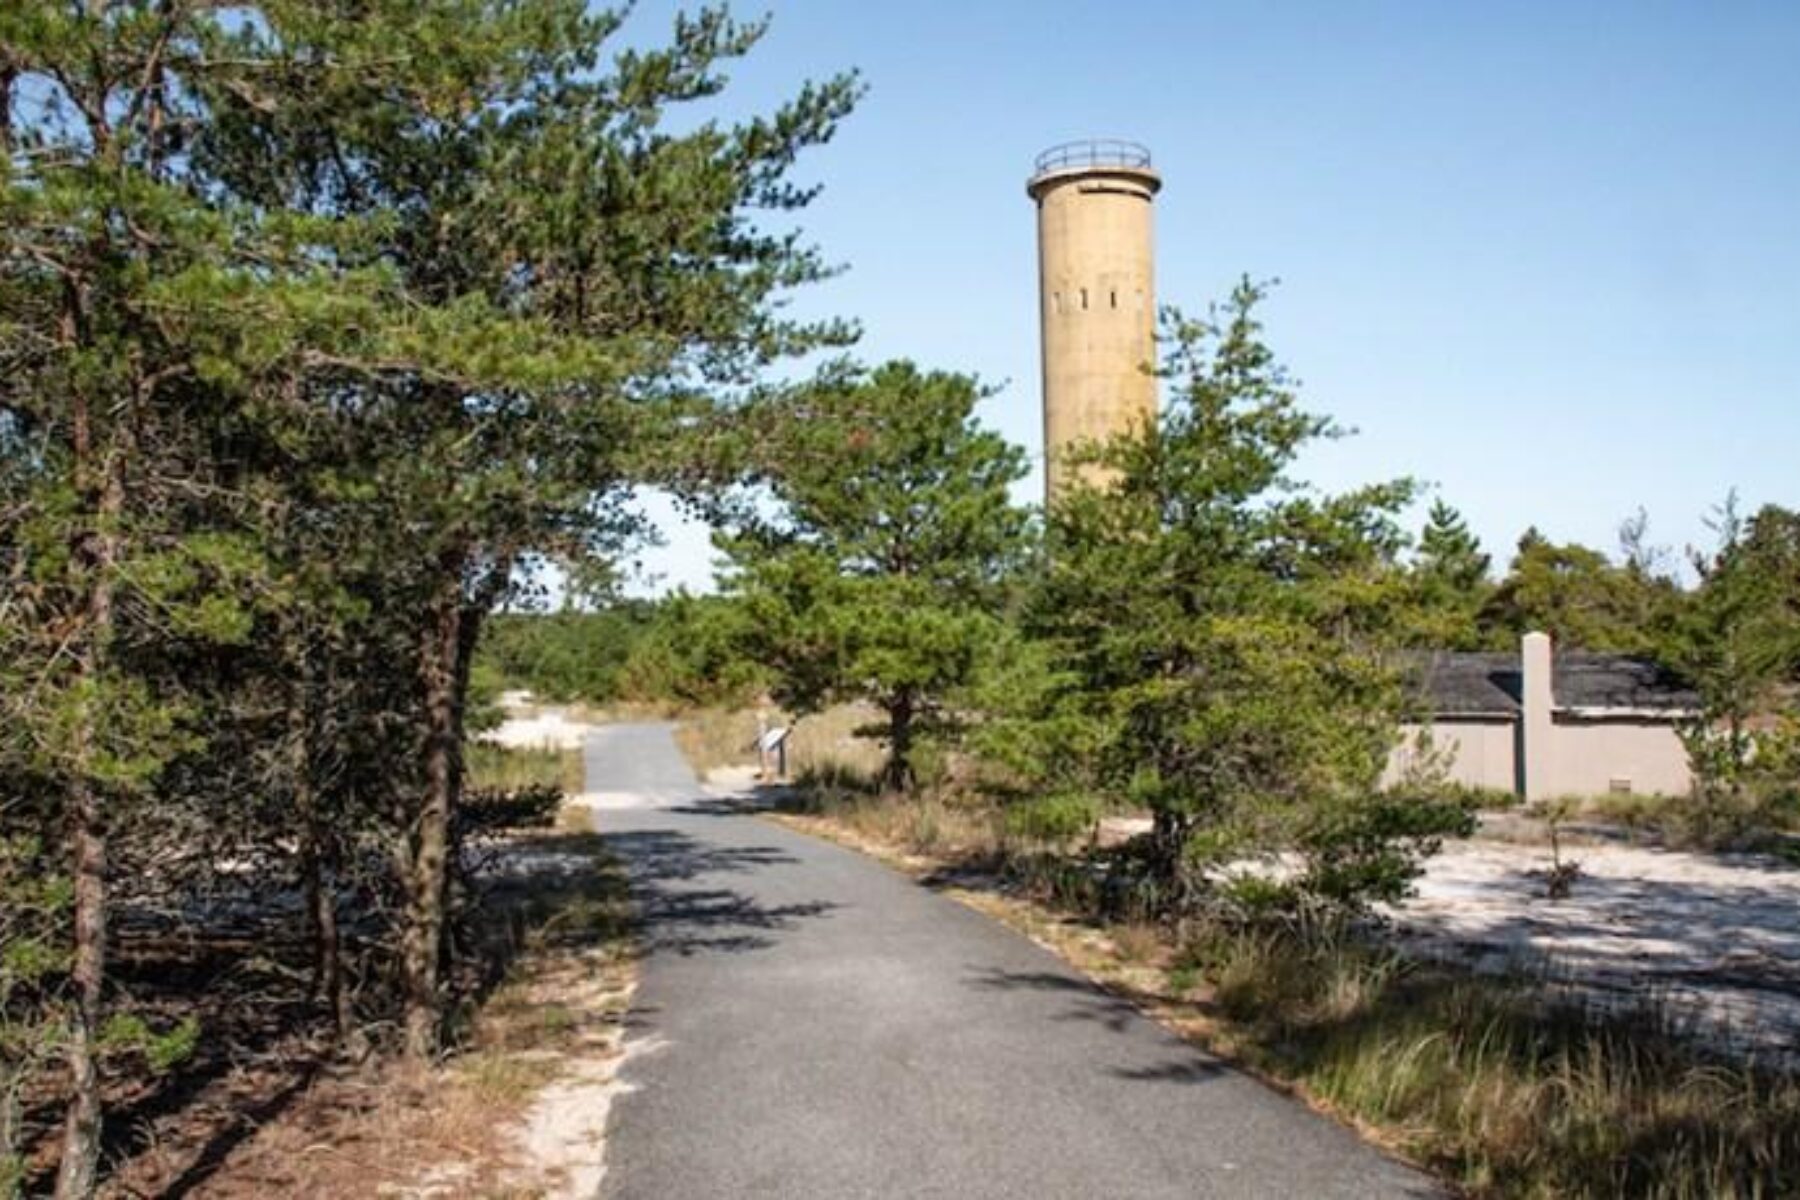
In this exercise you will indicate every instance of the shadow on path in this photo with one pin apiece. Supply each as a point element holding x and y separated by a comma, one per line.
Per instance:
<point>1084,1001</point>
<point>1088,1002</point>
<point>684,910</point>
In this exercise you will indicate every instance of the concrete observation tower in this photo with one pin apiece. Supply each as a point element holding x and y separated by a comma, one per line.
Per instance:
<point>1096,298</point>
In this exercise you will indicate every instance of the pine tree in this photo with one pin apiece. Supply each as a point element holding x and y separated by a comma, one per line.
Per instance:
<point>882,577</point>
<point>1449,552</point>
<point>138,309</point>
<point>582,276</point>
<point>1216,634</point>
<point>1450,578</point>
<point>1739,641</point>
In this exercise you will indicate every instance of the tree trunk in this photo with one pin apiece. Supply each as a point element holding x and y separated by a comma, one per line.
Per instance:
<point>12,1166</point>
<point>79,1170</point>
<point>316,856</point>
<point>428,866</point>
<point>898,775</point>
<point>458,886</point>
<point>328,950</point>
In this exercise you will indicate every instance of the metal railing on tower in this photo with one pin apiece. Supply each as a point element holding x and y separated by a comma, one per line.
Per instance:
<point>1093,152</point>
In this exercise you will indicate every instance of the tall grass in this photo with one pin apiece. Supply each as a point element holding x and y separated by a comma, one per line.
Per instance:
<point>717,738</point>
<point>1503,1092</point>
<point>506,769</point>
<point>934,824</point>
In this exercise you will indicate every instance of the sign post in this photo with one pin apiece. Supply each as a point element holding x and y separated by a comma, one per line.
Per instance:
<point>773,742</point>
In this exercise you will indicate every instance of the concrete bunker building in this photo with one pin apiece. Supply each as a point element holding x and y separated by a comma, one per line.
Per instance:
<point>1543,723</point>
<point>1096,295</point>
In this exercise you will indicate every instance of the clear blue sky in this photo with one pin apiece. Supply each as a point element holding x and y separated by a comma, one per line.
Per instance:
<point>1545,256</point>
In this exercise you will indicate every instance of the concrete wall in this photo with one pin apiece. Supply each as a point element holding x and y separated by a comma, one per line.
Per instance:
<point>1583,756</point>
<point>1481,751</point>
<point>1588,754</point>
<point>1097,304</point>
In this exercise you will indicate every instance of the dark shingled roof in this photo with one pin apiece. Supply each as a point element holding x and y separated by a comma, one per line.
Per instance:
<point>1585,680</point>
<point>1484,684</point>
<point>1463,682</point>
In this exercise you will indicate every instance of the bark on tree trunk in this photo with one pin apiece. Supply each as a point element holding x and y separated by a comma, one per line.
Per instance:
<point>899,775</point>
<point>422,940</point>
<point>316,858</point>
<point>12,1073</point>
<point>468,633</point>
<point>78,1171</point>
<point>328,954</point>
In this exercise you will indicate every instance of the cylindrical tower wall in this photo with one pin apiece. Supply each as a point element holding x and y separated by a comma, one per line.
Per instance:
<point>1097,302</point>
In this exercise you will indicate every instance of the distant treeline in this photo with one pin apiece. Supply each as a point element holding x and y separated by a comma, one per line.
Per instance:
<point>686,649</point>
<point>679,650</point>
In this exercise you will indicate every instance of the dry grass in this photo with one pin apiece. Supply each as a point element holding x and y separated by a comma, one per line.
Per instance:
<point>1137,943</point>
<point>1679,822</point>
<point>820,742</point>
<point>1507,1096</point>
<point>1634,811</point>
<point>503,768</point>
<point>1686,823</point>
<point>928,826</point>
<point>1476,1078</point>
<point>714,738</point>
<point>389,1131</point>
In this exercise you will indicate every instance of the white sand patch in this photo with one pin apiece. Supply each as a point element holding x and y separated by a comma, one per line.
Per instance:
<point>546,729</point>
<point>732,781</point>
<point>1711,940</point>
<point>564,1137</point>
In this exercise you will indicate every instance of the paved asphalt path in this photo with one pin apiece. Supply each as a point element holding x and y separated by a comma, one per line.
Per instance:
<point>813,1026</point>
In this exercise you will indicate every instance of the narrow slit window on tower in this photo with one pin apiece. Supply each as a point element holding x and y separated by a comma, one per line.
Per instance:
<point>1084,299</point>
<point>1114,295</point>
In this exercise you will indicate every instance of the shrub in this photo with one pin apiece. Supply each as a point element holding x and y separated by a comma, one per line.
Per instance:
<point>1056,819</point>
<point>491,810</point>
<point>1369,850</point>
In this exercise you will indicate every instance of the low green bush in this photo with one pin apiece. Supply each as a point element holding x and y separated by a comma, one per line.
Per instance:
<point>1056,819</point>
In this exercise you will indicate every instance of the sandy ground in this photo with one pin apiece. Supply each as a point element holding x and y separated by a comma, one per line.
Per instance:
<point>1709,943</point>
<point>562,1137</point>
<point>540,729</point>
<point>1710,940</point>
<point>732,781</point>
